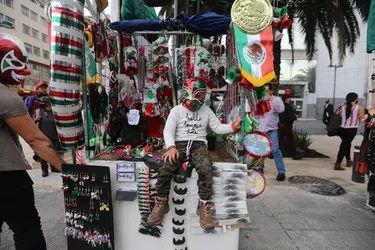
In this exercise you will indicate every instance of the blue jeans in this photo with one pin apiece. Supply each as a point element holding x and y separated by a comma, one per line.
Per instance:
<point>276,152</point>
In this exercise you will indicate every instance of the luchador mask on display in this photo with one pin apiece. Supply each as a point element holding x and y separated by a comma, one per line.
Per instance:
<point>193,94</point>
<point>13,58</point>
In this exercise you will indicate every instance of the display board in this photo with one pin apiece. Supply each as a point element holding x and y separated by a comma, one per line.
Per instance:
<point>180,229</point>
<point>88,207</point>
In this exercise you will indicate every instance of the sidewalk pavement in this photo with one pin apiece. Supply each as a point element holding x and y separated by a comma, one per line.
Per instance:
<point>283,217</point>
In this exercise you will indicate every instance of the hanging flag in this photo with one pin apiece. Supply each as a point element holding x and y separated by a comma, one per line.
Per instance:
<point>91,74</point>
<point>255,54</point>
<point>371,29</point>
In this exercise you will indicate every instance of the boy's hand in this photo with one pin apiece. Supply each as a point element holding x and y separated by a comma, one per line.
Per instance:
<point>236,125</point>
<point>171,155</point>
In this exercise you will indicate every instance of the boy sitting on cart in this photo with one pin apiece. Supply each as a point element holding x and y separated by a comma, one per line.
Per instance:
<point>185,139</point>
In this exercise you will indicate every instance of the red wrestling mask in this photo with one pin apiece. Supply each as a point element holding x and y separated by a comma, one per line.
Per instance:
<point>13,60</point>
<point>193,94</point>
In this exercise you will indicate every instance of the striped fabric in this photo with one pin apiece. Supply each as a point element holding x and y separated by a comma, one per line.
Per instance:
<point>66,70</point>
<point>353,120</point>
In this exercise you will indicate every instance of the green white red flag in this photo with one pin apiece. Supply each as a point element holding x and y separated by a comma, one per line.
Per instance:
<point>255,55</point>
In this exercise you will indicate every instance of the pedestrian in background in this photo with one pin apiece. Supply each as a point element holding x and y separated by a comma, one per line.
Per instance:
<point>328,112</point>
<point>268,123</point>
<point>17,207</point>
<point>286,120</point>
<point>32,102</point>
<point>351,115</point>
<point>43,117</point>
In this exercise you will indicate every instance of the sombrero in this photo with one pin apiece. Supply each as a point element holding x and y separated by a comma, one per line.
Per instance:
<point>252,16</point>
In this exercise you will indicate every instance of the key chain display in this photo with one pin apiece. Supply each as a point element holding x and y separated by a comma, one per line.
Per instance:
<point>88,207</point>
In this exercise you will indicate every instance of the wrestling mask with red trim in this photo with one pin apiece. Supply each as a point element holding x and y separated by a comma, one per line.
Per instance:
<point>193,94</point>
<point>13,58</point>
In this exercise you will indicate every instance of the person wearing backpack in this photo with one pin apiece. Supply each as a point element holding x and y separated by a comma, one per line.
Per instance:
<point>43,117</point>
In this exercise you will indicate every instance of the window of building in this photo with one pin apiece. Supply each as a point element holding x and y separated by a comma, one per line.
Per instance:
<point>44,70</point>
<point>29,48</point>
<point>24,10</point>
<point>34,15</point>
<point>36,51</point>
<point>45,54</point>
<point>11,20</point>
<point>26,29</point>
<point>44,38</point>
<point>8,3</point>
<point>7,18</point>
<point>43,20</point>
<point>35,33</point>
<point>35,66</point>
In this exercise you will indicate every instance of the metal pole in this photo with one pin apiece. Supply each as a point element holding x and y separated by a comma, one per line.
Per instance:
<point>334,81</point>
<point>334,86</point>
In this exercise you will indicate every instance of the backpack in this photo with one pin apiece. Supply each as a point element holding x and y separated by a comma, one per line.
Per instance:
<point>29,101</point>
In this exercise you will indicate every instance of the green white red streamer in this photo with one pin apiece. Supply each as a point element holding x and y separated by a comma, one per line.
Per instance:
<point>66,70</point>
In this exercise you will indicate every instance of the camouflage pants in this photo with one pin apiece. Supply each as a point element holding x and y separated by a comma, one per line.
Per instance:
<point>200,159</point>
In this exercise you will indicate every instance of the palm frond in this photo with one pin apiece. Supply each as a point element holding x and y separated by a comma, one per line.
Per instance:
<point>324,17</point>
<point>363,7</point>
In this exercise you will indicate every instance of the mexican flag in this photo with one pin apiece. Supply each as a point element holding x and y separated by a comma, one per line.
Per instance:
<point>255,54</point>
<point>371,28</point>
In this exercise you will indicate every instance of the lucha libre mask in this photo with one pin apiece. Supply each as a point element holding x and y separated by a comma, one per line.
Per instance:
<point>13,60</point>
<point>193,94</point>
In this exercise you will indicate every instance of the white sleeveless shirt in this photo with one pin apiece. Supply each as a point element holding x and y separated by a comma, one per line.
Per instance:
<point>353,119</point>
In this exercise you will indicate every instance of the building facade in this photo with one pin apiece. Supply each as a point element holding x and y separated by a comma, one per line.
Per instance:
<point>29,19</point>
<point>312,82</point>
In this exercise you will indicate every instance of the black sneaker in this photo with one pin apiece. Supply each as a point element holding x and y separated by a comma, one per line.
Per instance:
<point>280,177</point>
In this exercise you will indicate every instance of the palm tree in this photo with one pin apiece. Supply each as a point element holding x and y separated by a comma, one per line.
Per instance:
<point>327,17</point>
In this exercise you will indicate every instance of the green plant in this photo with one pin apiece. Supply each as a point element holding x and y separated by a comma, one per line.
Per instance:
<point>302,139</point>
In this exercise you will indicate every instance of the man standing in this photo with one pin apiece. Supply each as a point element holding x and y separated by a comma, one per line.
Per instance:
<point>17,207</point>
<point>268,123</point>
<point>328,112</point>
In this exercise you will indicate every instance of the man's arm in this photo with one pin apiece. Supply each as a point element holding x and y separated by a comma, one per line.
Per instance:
<point>24,126</point>
<point>277,104</point>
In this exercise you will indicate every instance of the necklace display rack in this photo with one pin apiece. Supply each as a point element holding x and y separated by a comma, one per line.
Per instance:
<point>88,207</point>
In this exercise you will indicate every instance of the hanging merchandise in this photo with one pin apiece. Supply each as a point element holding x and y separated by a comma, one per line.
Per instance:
<point>67,42</point>
<point>100,41</point>
<point>91,73</point>
<point>88,207</point>
<point>98,101</point>
<point>218,60</point>
<point>280,21</point>
<point>136,9</point>
<point>255,54</point>
<point>145,177</point>
<point>258,147</point>
<point>205,24</point>
<point>252,16</point>
<point>130,62</point>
